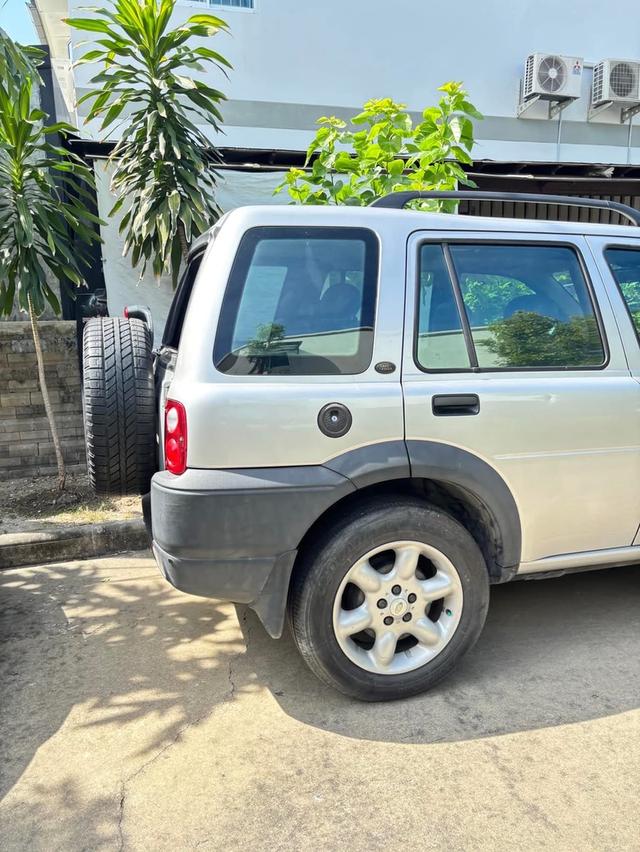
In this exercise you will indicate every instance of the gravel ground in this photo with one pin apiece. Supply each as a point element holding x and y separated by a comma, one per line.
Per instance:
<point>33,504</point>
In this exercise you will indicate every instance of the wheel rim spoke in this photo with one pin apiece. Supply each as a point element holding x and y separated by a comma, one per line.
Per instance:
<point>406,561</point>
<point>387,597</point>
<point>365,577</point>
<point>353,621</point>
<point>425,631</point>
<point>384,648</point>
<point>436,587</point>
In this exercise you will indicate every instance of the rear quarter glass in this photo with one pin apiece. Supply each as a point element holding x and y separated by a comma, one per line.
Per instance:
<point>299,301</point>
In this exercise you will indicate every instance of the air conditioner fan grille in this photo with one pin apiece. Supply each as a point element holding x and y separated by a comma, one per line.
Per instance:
<point>552,74</point>
<point>622,79</point>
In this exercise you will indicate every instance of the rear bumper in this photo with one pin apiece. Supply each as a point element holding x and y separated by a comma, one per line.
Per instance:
<point>233,535</point>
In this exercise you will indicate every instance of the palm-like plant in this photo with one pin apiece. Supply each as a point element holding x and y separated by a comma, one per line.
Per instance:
<point>163,162</point>
<point>17,61</point>
<point>43,224</point>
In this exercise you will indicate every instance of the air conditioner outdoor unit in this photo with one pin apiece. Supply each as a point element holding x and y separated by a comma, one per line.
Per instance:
<point>615,81</point>
<point>551,77</point>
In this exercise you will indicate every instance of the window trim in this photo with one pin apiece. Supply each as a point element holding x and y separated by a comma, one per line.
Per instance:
<point>446,241</point>
<point>617,247</point>
<point>228,311</point>
<point>180,302</point>
<point>460,305</point>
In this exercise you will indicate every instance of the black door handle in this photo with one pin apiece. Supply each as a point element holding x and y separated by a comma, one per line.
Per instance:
<point>455,404</point>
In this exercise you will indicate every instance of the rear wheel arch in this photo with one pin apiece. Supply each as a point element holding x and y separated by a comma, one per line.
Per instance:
<point>445,477</point>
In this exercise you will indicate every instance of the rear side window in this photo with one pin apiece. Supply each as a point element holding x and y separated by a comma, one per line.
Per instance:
<point>625,266</point>
<point>300,301</point>
<point>178,309</point>
<point>513,307</point>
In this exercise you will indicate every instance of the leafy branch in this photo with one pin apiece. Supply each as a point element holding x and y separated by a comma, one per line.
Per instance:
<point>381,150</point>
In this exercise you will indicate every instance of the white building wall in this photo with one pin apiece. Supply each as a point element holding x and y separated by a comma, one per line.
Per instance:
<point>295,60</point>
<point>124,284</point>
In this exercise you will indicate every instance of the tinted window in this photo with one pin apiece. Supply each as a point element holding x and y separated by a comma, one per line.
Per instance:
<point>178,309</point>
<point>625,265</point>
<point>300,301</point>
<point>526,306</point>
<point>440,341</point>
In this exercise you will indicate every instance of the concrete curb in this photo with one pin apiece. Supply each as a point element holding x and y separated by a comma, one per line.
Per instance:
<point>81,542</point>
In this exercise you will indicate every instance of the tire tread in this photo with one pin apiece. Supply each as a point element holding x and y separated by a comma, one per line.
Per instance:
<point>118,405</point>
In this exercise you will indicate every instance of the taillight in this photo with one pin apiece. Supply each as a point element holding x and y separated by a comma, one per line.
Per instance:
<point>175,437</point>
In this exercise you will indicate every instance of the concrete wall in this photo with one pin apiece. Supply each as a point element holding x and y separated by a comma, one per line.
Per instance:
<point>26,448</point>
<point>295,61</point>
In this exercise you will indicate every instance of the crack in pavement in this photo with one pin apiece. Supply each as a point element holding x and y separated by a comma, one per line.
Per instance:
<point>124,782</point>
<point>225,699</point>
<point>121,816</point>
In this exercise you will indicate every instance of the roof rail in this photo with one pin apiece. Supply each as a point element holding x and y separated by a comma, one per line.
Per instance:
<point>398,200</point>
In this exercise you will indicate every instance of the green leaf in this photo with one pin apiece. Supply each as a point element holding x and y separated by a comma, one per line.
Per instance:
<point>92,25</point>
<point>469,109</point>
<point>174,204</point>
<point>207,53</point>
<point>90,56</point>
<point>112,113</point>
<point>208,20</point>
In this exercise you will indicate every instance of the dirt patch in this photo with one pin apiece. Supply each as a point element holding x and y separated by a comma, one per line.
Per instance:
<point>34,504</point>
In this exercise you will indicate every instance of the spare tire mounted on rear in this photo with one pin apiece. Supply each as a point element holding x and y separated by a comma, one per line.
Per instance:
<point>119,405</point>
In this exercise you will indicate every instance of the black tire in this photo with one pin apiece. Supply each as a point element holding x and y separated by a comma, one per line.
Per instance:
<point>118,405</point>
<point>323,568</point>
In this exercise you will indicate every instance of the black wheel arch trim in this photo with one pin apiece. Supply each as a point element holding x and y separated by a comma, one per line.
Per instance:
<point>373,463</point>
<point>454,466</point>
<point>463,472</point>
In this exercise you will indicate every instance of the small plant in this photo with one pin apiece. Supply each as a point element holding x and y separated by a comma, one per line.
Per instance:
<point>383,151</point>
<point>44,226</point>
<point>163,173</point>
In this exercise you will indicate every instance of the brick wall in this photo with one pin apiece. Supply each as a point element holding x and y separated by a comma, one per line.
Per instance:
<point>25,441</point>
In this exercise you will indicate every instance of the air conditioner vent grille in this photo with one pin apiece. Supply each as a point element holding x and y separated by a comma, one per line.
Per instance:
<point>598,82</point>
<point>528,75</point>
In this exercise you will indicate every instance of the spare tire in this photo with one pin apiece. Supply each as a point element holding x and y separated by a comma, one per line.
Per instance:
<point>119,405</point>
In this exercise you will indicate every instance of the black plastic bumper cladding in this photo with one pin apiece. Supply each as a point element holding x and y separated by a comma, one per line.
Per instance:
<point>233,534</point>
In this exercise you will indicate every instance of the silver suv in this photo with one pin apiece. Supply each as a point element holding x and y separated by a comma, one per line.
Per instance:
<point>367,416</point>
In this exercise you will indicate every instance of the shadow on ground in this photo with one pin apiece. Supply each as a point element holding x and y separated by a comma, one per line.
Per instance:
<point>553,652</point>
<point>128,646</point>
<point>132,650</point>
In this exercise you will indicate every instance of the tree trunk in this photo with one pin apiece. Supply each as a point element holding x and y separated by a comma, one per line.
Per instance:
<point>62,474</point>
<point>183,241</point>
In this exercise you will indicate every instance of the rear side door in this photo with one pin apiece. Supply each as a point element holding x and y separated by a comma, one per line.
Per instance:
<point>513,355</point>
